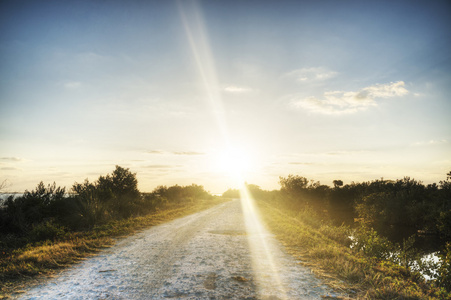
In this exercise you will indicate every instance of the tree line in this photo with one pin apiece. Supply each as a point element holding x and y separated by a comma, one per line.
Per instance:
<point>49,211</point>
<point>384,218</point>
<point>388,206</point>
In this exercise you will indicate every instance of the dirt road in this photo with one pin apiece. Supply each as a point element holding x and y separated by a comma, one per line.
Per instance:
<point>207,255</point>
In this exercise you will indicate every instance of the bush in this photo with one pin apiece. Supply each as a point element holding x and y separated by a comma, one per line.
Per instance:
<point>46,231</point>
<point>111,196</point>
<point>444,271</point>
<point>372,244</point>
<point>32,208</point>
<point>231,193</point>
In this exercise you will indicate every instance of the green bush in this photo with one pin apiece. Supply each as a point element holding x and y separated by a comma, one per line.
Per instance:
<point>372,244</point>
<point>444,271</point>
<point>47,230</point>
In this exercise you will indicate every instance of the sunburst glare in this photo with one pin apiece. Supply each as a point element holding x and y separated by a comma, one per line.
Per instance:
<point>234,162</point>
<point>266,271</point>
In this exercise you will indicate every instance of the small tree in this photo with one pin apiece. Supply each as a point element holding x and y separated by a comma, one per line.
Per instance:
<point>91,207</point>
<point>114,195</point>
<point>120,191</point>
<point>293,183</point>
<point>337,183</point>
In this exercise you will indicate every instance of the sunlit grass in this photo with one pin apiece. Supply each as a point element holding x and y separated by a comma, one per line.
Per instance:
<point>325,249</point>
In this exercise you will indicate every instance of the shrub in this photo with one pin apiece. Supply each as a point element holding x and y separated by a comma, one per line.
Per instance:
<point>47,230</point>
<point>372,244</point>
<point>23,212</point>
<point>444,271</point>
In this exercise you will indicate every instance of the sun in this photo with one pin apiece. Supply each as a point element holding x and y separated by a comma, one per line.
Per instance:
<point>234,162</point>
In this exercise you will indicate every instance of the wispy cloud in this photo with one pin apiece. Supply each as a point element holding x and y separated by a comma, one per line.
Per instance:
<point>311,74</point>
<point>11,159</point>
<point>346,152</point>
<point>339,102</point>
<point>160,166</point>
<point>175,152</point>
<point>237,89</point>
<point>431,142</point>
<point>155,152</point>
<point>10,169</point>
<point>187,153</point>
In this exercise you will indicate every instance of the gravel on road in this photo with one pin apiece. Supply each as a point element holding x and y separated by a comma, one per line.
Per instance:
<point>207,255</point>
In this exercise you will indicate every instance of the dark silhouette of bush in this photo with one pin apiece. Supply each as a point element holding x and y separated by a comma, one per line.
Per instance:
<point>395,208</point>
<point>48,212</point>
<point>298,192</point>
<point>177,194</point>
<point>114,196</point>
<point>90,205</point>
<point>32,208</point>
<point>405,203</point>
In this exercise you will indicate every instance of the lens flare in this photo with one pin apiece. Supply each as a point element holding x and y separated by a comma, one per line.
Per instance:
<point>264,266</point>
<point>265,269</point>
<point>200,47</point>
<point>234,162</point>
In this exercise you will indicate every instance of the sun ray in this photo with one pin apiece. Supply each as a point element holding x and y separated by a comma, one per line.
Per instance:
<point>199,44</point>
<point>263,262</point>
<point>232,160</point>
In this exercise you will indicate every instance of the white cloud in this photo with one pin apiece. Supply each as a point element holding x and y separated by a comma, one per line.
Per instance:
<point>161,166</point>
<point>10,169</point>
<point>187,153</point>
<point>431,142</point>
<point>155,152</point>
<point>175,152</point>
<point>339,102</point>
<point>393,89</point>
<point>11,159</point>
<point>237,89</point>
<point>312,74</point>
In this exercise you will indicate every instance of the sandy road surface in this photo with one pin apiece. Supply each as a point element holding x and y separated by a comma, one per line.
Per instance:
<point>202,256</point>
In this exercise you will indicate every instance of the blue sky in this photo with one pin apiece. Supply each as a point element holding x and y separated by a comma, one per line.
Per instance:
<point>183,92</point>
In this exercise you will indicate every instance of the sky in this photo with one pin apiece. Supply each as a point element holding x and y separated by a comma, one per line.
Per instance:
<point>219,92</point>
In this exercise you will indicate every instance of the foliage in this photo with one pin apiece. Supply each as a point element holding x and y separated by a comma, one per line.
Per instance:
<point>368,241</point>
<point>390,205</point>
<point>47,212</point>
<point>337,183</point>
<point>115,195</point>
<point>384,209</point>
<point>444,271</point>
<point>387,206</point>
<point>298,191</point>
<point>231,193</point>
<point>43,257</point>
<point>366,271</point>
<point>178,194</point>
<point>47,230</point>
<point>21,214</point>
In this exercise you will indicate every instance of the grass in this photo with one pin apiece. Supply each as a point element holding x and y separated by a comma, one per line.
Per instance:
<point>325,249</point>
<point>23,266</point>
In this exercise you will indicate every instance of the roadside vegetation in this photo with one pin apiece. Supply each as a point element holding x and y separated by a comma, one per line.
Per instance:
<point>47,228</point>
<point>363,237</point>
